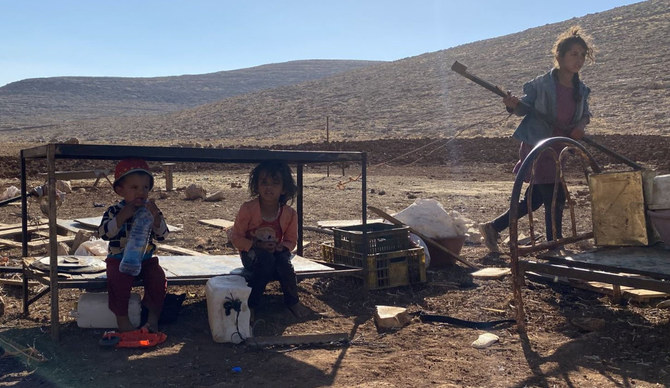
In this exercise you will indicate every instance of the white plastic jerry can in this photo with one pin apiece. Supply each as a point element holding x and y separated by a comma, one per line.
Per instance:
<point>93,311</point>
<point>227,309</point>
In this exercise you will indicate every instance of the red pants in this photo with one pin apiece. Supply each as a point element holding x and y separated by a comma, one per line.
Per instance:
<point>119,285</point>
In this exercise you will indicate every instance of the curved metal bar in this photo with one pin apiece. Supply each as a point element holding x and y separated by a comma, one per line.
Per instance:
<point>529,197</point>
<point>526,166</point>
<point>562,157</point>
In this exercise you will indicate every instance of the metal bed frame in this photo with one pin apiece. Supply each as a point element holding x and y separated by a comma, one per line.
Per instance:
<point>55,151</point>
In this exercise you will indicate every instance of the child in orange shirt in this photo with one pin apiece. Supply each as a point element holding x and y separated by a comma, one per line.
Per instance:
<point>266,231</point>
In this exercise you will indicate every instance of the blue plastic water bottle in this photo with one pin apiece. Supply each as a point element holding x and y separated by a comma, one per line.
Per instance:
<point>138,238</point>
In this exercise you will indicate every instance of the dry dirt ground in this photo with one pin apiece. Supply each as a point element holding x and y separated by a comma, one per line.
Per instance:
<point>631,349</point>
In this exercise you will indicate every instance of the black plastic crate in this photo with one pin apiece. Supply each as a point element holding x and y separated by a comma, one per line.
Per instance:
<point>381,238</point>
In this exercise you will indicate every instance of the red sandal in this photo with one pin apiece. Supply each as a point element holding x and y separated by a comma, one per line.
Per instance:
<point>140,338</point>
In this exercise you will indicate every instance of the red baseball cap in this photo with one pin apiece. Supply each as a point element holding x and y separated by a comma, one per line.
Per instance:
<point>129,166</point>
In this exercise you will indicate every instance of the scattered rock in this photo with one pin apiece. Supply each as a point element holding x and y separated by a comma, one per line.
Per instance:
<point>195,191</point>
<point>474,236</point>
<point>218,196</point>
<point>200,242</point>
<point>588,324</point>
<point>485,340</point>
<point>64,186</point>
<point>390,317</point>
<point>10,192</point>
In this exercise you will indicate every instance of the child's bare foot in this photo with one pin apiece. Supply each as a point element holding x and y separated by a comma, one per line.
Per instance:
<point>152,322</point>
<point>299,310</point>
<point>123,323</point>
<point>149,328</point>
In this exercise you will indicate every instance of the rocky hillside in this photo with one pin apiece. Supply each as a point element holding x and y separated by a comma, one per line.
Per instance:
<point>42,101</point>
<point>421,97</point>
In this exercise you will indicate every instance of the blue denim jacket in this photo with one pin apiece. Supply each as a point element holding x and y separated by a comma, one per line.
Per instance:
<point>540,93</point>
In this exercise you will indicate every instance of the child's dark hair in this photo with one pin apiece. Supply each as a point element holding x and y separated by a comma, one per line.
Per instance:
<point>564,42</point>
<point>274,168</point>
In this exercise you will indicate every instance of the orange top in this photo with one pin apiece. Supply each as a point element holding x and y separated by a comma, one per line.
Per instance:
<point>249,218</point>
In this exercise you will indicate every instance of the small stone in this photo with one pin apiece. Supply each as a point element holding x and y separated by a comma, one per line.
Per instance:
<point>390,317</point>
<point>200,242</point>
<point>195,191</point>
<point>485,340</point>
<point>588,324</point>
<point>218,196</point>
<point>64,186</point>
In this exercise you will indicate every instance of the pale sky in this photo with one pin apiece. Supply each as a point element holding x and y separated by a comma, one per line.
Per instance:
<point>150,38</point>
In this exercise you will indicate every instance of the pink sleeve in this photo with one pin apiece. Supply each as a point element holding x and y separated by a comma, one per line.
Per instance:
<point>289,225</point>
<point>238,235</point>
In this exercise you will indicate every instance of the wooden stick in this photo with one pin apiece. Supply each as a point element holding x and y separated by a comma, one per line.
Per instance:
<point>425,238</point>
<point>304,339</point>
<point>180,250</point>
<point>319,230</point>
<point>17,282</point>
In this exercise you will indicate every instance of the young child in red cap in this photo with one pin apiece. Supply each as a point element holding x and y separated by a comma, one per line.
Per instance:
<point>132,182</point>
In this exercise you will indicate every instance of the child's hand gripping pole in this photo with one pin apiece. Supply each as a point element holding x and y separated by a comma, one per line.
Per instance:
<point>462,70</point>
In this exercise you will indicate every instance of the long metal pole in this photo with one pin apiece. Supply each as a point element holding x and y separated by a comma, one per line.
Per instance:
<point>299,206</point>
<point>53,242</point>
<point>24,234</point>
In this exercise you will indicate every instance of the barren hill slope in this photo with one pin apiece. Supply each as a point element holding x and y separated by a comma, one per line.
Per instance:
<point>43,101</point>
<point>421,97</point>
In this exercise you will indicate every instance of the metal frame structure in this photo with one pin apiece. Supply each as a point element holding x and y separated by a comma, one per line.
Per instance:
<point>614,274</point>
<point>55,151</point>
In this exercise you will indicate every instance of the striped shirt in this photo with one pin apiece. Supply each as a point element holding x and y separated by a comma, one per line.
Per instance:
<point>117,235</point>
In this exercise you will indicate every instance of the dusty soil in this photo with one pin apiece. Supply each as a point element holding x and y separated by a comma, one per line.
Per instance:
<point>629,350</point>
